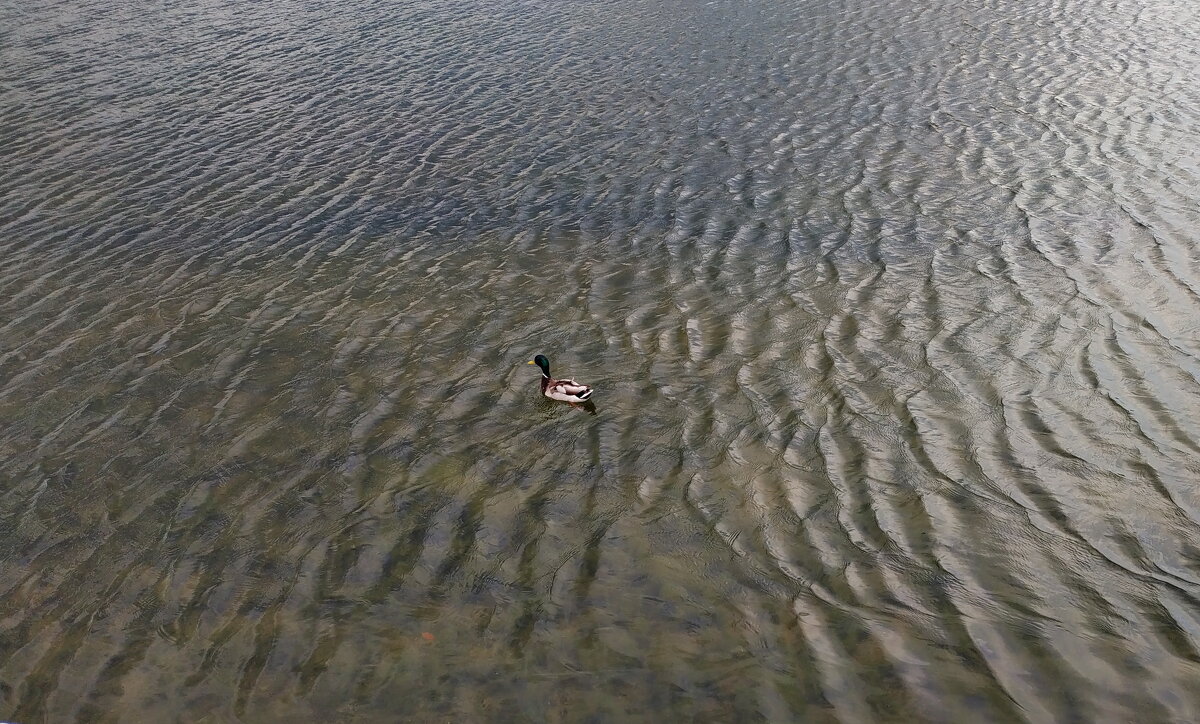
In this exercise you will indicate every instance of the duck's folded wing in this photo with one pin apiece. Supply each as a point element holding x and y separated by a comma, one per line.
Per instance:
<point>572,388</point>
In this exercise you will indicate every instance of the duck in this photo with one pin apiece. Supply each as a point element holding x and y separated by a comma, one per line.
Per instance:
<point>561,390</point>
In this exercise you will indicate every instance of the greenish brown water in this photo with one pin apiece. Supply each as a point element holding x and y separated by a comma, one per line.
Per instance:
<point>891,309</point>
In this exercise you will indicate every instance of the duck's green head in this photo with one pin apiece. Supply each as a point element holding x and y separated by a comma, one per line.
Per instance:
<point>542,362</point>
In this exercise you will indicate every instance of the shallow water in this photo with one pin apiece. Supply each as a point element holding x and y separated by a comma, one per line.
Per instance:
<point>891,308</point>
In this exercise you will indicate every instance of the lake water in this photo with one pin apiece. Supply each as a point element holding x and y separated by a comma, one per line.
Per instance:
<point>892,309</point>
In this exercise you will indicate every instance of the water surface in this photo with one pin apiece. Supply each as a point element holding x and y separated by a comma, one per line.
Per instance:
<point>891,308</point>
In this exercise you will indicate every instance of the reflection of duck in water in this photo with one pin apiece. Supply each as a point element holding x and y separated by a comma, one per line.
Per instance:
<point>561,390</point>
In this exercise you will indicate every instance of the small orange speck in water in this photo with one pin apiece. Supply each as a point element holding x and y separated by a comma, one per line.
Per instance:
<point>427,636</point>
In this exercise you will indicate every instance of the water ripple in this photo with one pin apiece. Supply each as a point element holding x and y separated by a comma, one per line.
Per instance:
<point>891,309</point>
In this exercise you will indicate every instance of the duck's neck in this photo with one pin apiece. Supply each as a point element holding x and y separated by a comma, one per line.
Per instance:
<point>545,381</point>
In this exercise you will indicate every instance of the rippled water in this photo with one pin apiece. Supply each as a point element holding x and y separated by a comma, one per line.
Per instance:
<point>892,309</point>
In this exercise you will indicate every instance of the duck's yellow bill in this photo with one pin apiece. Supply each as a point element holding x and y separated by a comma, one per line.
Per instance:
<point>529,362</point>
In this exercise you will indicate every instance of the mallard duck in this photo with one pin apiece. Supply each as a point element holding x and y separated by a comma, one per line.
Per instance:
<point>561,390</point>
